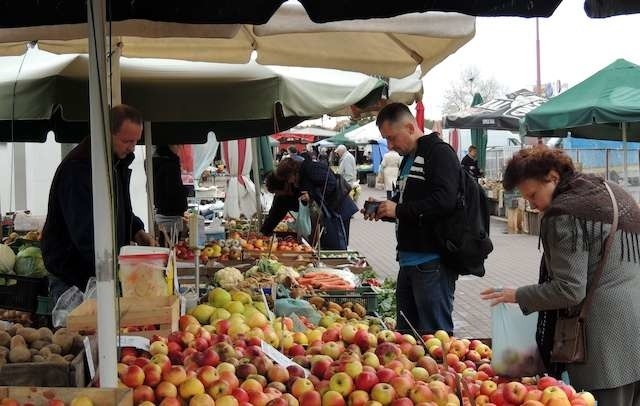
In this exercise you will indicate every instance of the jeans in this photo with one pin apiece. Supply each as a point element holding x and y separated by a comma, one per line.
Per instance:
<point>56,288</point>
<point>425,294</point>
<point>628,395</point>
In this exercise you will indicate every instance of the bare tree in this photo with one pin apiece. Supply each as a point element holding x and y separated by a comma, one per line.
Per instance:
<point>459,96</point>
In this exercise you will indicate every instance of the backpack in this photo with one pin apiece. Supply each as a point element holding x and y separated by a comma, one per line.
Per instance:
<point>463,237</point>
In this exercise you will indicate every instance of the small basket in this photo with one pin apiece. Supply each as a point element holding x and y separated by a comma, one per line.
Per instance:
<point>364,296</point>
<point>23,295</point>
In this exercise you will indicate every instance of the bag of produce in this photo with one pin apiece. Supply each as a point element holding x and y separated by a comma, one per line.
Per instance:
<point>29,263</point>
<point>515,351</point>
<point>143,271</point>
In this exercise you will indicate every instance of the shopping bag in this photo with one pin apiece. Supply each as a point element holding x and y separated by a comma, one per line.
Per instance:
<point>303,221</point>
<point>515,351</point>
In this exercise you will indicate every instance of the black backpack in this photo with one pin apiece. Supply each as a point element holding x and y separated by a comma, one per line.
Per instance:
<point>463,237</point>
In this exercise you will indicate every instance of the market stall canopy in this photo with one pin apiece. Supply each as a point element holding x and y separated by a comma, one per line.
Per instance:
<point>391,47</point>
<point>365,134</point>
<point>339,139</point>
<point>594,108</point>
<point>504,113</point>
<point>181,99</point>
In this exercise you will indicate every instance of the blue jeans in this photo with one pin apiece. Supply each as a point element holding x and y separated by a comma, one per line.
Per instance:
<point>425,294</point>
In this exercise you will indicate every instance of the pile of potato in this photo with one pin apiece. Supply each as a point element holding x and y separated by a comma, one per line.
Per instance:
<point>26,344</point>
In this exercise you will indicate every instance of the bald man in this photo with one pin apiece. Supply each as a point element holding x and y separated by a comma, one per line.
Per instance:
<point>347,167</point>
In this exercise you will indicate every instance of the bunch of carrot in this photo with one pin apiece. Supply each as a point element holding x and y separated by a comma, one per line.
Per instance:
<point>324,281</point>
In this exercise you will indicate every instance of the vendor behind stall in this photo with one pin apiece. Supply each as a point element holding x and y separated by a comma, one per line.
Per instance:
<point>305,181</point>
<point>67,236</point>
<point>170,195</point>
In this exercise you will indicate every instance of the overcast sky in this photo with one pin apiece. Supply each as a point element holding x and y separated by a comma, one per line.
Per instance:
<point>573,47</point>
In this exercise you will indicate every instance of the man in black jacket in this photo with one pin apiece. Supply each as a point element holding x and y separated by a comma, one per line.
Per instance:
<point>428,186</point>
<point>67,236</point>
<point>470,162</point>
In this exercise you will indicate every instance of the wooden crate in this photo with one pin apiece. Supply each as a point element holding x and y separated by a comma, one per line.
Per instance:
<point>134,311</point>
<point>40,396</point>
<point>45,373</point>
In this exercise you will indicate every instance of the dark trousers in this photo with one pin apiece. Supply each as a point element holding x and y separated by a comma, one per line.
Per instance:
<point>389,194</point>
<point>628,395</point>
<point>56,288</point>
<point>425,294</point>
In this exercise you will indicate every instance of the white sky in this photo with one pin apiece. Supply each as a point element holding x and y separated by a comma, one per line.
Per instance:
<point>573,47</point>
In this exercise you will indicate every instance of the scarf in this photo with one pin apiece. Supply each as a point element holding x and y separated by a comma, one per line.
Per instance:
<point>585,198</point>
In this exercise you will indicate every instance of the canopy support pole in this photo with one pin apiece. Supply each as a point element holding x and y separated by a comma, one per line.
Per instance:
<point>149,169</point>
<point>625,158</point>
<point>256,178</point>
<point>102,189</point>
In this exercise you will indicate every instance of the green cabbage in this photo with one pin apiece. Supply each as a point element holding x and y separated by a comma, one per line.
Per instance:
<point>29,262</point>
<point>7,259</point>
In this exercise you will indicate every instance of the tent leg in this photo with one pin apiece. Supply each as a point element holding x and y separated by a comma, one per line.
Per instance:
<point>102,188</point>
<point>256,178</point>
<point>149,169</point>
<point>625,158</point>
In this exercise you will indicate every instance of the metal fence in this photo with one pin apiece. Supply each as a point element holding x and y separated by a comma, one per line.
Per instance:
<point>608,163</point>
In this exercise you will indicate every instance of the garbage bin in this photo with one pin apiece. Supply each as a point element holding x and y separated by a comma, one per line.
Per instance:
<point>371,180</point>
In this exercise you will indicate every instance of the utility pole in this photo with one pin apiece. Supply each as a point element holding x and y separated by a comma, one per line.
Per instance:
<point>538,80</point>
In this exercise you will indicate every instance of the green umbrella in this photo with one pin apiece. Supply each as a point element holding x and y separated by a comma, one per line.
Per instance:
<point>265,155</point>
<point>340,139</point>
<point>479,136</point>
<point>594,108</point>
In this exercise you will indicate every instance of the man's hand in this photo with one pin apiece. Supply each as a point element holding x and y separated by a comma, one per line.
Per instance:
<point>143,238</point>
<point>304,197</point>
<point>368,215</point>
<point>386,210</point>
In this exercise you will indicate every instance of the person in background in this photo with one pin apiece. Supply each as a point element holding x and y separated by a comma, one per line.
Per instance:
<point>428,190</point>
<point>68,235</point>
<point>293,153</point>
<point>306,180</point>
<point>390,167</point>
<point>470,162</point>
<point>323,156</point>
<point>578,214</point>
<point>170,195</point>
<point>347,166</point>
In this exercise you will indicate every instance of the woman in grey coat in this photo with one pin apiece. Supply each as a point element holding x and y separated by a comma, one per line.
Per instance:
<point>576,221</point>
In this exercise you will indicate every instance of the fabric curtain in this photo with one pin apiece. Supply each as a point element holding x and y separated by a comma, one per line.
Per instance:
<point>204,154</point>
<point>241,192</point>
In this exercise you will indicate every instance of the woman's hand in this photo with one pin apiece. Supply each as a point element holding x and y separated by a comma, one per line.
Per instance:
<point>499,295</point>
<point>304,197</point>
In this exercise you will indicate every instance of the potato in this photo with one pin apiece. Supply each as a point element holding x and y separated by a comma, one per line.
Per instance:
<point>69,357</point>
<point>4,351</point>
<point>19,354</point>
<point>57,358</point>
<point>54,348</point>
<point>45,334</point>
<point>64,340</point>
<point>30,334</point>
<point>5,339</point>
<point>17,341</point>
<point>38,344</point>
<point>38,358</point>
<point>45,352</point>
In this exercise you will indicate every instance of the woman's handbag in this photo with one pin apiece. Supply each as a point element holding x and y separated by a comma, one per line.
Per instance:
<point>569,340</point>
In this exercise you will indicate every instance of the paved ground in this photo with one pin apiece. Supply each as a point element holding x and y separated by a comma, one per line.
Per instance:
<point>514,262</point>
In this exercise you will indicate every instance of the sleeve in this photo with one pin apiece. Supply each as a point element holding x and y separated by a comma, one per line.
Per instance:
<point>567,265</point>
<point>442,189</point>
<point>279,209</point>
<point>74,196</point>
<point>136,225</point>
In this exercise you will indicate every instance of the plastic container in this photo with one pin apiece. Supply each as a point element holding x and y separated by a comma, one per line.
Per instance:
<point>143,271</point>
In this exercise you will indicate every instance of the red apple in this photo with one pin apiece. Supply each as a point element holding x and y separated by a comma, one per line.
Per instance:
<point>514,392</point>
<point>366,380</point>
<point>546,381</point>
<point>133,376</point>
<point>143,393</point>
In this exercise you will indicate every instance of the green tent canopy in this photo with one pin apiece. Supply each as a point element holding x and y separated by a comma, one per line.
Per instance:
<point>479,136</point>
<point>595,108</point>
<point>340,139</point>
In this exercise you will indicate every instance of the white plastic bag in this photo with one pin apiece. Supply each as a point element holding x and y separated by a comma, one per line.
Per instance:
<point>515,351</point>
<point>303,220</point>
<point>69,300</point>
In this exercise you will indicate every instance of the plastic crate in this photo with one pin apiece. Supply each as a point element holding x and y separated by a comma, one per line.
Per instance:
<point>365,296</point>
<point>23,295</point>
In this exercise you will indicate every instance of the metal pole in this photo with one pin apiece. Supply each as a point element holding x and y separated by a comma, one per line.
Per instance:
<point>624,151</point>
<point>256,178</point>
<point>149,169</point>
<point>538,78</point>
<point>19,176</point>
<point>102,189</point>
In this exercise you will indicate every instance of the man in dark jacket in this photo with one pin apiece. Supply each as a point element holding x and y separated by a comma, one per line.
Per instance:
<point>470,162</point>
<point>428,186</point>
<point>67,236</point>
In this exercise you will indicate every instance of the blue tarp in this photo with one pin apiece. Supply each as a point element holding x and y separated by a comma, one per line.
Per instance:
<point>378,149</point>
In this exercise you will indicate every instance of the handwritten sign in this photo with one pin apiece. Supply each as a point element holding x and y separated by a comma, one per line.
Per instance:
<point>278,357</point>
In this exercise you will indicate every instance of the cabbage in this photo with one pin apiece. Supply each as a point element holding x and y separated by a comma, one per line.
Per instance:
<point>29,262</point>
<point>7,259</point>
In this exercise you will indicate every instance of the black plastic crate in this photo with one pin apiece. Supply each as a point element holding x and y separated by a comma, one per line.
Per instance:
<point>363,295</point>
<point>23,294</point>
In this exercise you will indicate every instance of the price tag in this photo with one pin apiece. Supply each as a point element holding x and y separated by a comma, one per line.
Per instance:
<point>89,355</point>
<point>279,357</point>
<point>141,343</point>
